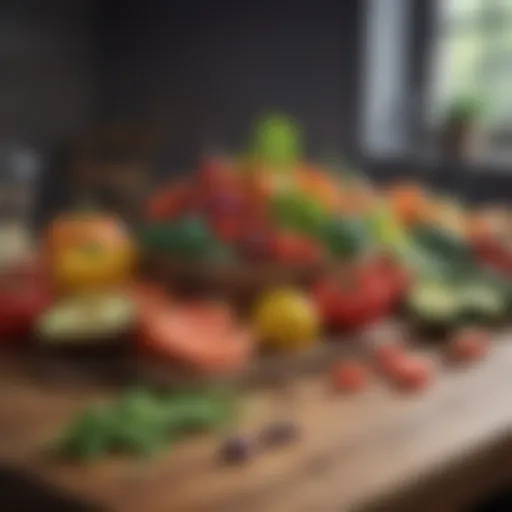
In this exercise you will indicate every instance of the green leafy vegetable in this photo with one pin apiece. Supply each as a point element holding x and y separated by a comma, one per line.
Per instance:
<point>141,422</point>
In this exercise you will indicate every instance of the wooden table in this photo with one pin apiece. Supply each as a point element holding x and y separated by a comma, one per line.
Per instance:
<point>380,450</point>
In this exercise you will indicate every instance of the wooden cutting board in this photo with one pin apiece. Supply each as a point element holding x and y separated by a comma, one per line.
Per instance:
<point>380,450</point>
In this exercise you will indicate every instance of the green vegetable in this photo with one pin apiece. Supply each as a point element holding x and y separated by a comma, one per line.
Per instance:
<point>345,238</point>
<point>277,142</point>
<point>73,320</point>
<point>434,308</point>
<point>88,436</point>
<point>482,304</point>
<point>187,238</point>
<point>297,212</point>
<point>442,244</point>
<point>142,422</point>
<point>385,230</point>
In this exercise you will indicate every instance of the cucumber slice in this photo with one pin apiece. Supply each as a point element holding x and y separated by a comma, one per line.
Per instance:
<point>79,319</point>
<point>482,304</point>
<point>434,309</point>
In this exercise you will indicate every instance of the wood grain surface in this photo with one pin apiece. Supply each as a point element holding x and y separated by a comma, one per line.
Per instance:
<point>381,450</point>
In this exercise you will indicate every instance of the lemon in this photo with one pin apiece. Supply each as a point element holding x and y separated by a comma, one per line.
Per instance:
<point>286,319</point>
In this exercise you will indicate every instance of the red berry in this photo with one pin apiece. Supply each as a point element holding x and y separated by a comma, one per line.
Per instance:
<point>412,373</point>
<point>388,355</point>
<point>349,376</point>
<point>469,345</point>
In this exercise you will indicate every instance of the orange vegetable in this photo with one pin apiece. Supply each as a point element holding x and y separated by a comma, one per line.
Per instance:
<point>409,203</point>
<point>87,251</point>
<point>318,185</point>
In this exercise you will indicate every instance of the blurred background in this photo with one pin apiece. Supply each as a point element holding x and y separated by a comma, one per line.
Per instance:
<point>140,88</point>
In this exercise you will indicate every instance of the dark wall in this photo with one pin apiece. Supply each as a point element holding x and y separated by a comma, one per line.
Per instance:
<point>47,82</point>
<point>205,70</point>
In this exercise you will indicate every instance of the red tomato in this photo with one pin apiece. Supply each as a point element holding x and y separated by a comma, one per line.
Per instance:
<point>24,295</point>
<point>412,373</point>
<point>325,294</point>
<point>216,174</point>
<point>227,228</point>
<point>469,345</point>
<point>492,253</point>
<point>388,356</point>
<point>168,203</point>
<point>349,307</point>
<point>397,277</point>
<point>349,376</point>
<point>292,248</point>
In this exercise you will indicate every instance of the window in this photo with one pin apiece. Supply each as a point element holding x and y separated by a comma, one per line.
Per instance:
<point>475,57</point>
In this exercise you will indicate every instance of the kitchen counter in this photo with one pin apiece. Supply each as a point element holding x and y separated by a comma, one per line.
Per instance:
<point>380,450</point>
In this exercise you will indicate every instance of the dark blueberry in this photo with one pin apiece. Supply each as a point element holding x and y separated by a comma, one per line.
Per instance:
<point>279,433</point>
<point>236,450</point>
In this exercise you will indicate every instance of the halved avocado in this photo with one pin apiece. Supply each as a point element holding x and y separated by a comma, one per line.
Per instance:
<point>434,309</point>
<point>86,324</point>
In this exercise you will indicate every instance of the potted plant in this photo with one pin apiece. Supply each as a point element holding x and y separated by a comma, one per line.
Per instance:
<point>461,130</point>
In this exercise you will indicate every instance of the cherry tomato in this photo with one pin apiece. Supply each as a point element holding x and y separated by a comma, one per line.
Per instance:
<point>349,376</point>
<point>388,356</point>
<point>412,373</point>
<point>469,345</point>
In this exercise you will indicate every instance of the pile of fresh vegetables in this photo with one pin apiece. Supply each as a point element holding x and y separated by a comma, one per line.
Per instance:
<point>445,268</point>
<point>381,250</point>
<point>377,252</point>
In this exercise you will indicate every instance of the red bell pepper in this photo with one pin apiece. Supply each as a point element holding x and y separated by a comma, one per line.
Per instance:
<point>216,174</point>
<point>494,254</point>
<point>169,202</point>
<point>24,295</point>
<point>293,248</point>
<point>356,300</point>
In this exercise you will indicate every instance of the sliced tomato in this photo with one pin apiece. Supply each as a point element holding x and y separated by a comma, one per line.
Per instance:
<point>204,337</point>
